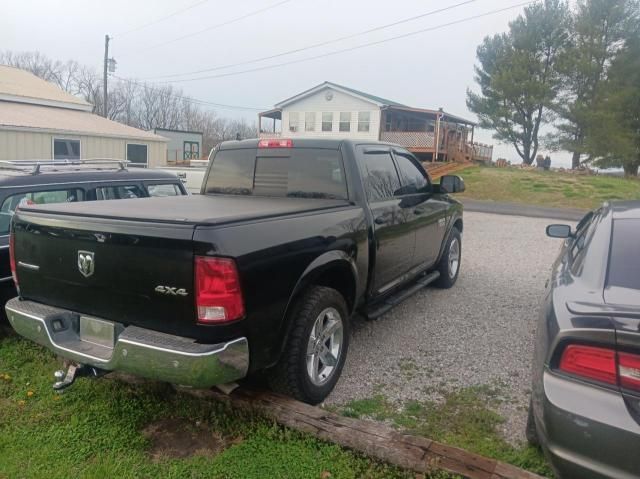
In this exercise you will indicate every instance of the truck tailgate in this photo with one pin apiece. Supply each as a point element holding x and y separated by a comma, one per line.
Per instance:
<point>107,268</point>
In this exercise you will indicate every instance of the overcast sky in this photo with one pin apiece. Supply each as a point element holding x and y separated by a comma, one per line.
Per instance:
<point>431,69</point>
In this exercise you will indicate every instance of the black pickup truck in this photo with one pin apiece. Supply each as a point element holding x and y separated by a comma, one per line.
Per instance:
<point>261,272</point>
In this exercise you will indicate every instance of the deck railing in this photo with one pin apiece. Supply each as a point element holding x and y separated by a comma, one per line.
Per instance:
<point>409,139</point>
<point>482,152</point>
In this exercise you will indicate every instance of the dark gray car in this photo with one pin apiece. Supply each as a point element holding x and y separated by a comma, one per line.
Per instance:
<point>585,405</point>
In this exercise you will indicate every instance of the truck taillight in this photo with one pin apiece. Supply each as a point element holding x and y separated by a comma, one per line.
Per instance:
<point>275,143</point>
<point>629,369</point>
<point>12,256</point>
<point>603,365</point>
<point>217,290</point>
<point>589,362</point>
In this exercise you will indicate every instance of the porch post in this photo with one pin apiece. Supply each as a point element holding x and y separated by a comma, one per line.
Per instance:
<point>437,145</point>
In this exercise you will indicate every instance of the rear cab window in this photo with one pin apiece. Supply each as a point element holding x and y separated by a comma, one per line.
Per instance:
<point>279,172</point>
<point>9,205</point>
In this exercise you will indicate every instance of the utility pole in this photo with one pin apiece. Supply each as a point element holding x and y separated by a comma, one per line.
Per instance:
<point>106,63</point>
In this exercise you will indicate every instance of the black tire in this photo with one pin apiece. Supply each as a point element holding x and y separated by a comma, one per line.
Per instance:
<point>447,280</point>
<point>290,375</point>
<point>531,432</point>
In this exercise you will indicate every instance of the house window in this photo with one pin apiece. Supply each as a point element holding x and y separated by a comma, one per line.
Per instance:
<point>137,154</point>
<point>293,121</point>
<point>191,150</point>
<point>310,121</point>
<point>327,121</point>
<point>345,121</point>
<point>363,121</point>
<point>64,149</point>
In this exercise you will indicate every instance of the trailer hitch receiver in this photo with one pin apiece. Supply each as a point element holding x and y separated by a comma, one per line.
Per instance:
<point>64,380</point>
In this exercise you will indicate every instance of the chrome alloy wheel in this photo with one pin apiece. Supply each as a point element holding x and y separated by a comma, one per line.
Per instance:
<point>325,346</point>
<point>454,257</point>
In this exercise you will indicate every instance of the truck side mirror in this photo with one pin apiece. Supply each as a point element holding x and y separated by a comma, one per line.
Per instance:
<point>452,184</point>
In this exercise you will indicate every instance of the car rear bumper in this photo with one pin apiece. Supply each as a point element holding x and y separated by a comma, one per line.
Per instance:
<point>111,346</point>
<point>587,431</point>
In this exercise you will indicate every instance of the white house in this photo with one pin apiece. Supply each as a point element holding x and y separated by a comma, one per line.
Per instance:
<point>332,110</point>
<point>39,121</point>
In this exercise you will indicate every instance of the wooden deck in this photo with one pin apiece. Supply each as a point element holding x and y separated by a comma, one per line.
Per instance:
<point>441,168</point>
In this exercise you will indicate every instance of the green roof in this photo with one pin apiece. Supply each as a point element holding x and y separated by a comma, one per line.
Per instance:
<point>377,99</point>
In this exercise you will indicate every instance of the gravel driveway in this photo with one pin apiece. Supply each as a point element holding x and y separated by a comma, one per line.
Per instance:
<point>480,332</point>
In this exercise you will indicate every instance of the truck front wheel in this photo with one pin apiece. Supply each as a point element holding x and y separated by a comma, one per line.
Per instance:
<point>449,265</point>
<point>316,349</point>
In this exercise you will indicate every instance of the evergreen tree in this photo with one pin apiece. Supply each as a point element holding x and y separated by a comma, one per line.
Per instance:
<point>613,132</point>
<point>599,29</point>
<point>518,78</point>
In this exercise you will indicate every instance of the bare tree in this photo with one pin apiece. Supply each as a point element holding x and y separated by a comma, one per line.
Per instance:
<point>133,103</point>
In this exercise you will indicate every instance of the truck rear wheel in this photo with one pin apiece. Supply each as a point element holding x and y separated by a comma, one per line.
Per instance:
<point>316,349</point>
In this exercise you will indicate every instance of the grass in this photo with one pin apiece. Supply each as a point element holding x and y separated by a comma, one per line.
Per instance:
<point>547,188</point>
<point>97,429</point>
<point>463,418</point>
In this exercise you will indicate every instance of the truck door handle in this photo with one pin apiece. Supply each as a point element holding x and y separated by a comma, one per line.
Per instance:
<point>379,220</point>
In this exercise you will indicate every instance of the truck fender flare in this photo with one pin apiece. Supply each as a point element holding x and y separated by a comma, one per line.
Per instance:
<point>314,270</point>
<point>451,224</point>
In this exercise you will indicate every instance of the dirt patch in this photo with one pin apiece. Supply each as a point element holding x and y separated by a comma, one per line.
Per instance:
<point>178,438</point>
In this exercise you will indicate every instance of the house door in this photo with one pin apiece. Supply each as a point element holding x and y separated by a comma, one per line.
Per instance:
<point>191,150</point>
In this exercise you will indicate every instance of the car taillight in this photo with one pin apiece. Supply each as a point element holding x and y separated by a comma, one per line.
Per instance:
<point>218,295</point>
<point>275,143</point>
<point>589,362</point>
<point>12,256</point>
<point>604,365</point>
<point>629,370</point>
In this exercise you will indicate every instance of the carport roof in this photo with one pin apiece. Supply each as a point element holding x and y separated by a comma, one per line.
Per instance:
<point>24,116</point>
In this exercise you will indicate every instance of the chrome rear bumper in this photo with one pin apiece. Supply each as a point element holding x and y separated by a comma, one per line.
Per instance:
<point>131,349</point>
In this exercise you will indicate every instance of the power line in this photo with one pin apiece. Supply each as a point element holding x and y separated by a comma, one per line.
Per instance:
<point>358,47</point>
<point>219,25</point>
<point>190,99</point>
<point>316,45</point>
<point>161,19</point>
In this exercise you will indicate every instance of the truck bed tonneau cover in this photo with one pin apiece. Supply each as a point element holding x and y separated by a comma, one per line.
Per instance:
<point>197,209</point>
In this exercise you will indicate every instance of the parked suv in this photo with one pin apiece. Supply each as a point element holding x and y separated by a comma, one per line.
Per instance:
<point>24,183</point>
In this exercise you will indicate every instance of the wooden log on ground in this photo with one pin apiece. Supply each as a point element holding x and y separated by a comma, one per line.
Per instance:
<point>376,440</point>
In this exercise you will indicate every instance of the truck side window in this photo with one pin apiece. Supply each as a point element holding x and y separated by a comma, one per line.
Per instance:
<point>118,192</point>
<point>164,190</point>
<point>381,179</point>
<point>413,180</point>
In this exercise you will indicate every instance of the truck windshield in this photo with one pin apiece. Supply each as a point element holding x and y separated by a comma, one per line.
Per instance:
<point>298,172</point>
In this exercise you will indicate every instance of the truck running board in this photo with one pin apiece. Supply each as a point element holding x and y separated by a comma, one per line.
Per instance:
<point>378,309</point>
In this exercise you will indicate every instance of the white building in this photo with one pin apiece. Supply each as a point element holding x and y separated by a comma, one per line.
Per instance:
<point>39,121</point>
<point>331,110</point>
